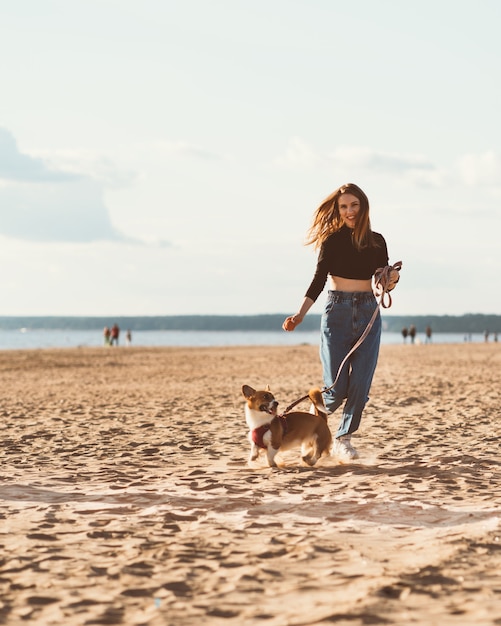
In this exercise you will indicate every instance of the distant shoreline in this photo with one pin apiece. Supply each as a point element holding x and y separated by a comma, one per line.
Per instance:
<point>469,323</point>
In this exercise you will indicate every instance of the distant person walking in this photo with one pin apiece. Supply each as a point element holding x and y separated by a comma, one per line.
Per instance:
<point>128,337</point>
<point>107,336</point>
<point>115,334</point>
<point>405,332</point>
<point>412,332</point>
<point>428,334</point>
<point>486,336</point>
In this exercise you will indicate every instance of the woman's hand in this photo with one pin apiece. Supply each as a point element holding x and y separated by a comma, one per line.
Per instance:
<point>291,322</point>
<point>393,279</point>
<point>389,275</point>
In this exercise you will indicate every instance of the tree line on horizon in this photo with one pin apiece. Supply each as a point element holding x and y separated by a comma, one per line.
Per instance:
<point>469,323</point>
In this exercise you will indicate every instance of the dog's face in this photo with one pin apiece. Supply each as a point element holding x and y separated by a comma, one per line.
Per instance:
<point>263,401</point>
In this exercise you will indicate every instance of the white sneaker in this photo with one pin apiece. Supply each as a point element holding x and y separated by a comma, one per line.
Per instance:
<point>342,447</point>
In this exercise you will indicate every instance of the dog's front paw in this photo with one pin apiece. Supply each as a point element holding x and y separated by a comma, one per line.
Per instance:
<point>310,460</point>
<point>271,461</point>
<point>254,452</point>
<point>271,453</point>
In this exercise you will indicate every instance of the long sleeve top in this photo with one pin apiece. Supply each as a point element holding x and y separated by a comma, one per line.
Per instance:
<point>339,257</point>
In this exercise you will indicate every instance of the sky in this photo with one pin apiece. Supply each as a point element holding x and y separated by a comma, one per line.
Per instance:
<point>165,157</point>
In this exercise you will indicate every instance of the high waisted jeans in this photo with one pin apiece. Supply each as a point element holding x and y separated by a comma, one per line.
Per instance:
<point>345,318</point>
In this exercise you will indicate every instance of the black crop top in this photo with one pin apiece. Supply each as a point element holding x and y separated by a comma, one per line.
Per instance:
<point>339,257</point>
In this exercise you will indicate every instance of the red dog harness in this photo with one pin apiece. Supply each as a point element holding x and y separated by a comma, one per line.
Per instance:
<point>258,433</point>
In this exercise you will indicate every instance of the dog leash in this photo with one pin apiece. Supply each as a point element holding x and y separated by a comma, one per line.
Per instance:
<point>381,285</point>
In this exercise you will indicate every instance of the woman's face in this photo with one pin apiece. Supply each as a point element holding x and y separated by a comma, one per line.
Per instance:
<point>349,206</point>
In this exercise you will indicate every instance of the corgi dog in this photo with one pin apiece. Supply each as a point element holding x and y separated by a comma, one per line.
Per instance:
<point>273,433</point>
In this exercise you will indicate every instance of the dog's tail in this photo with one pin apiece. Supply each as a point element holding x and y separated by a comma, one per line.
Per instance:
<point>318,406</point>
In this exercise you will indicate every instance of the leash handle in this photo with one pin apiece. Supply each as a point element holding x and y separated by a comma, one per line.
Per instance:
<point>383,285</point>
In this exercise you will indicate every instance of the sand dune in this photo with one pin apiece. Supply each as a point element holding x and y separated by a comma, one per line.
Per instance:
<point>126,497</point>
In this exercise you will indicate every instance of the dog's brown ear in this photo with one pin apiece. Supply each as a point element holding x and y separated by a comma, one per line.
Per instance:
<point>248,392</point>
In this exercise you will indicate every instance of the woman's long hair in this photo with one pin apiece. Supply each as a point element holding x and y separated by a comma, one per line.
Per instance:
<point>327,219</point>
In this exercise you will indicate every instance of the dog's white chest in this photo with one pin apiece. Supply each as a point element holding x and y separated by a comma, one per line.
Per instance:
<point>255,419</point>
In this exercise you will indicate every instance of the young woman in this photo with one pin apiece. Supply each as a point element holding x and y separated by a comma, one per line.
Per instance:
<point>350,253</point>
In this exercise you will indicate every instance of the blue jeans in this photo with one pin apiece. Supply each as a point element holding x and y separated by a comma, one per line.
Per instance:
<point>344,319</point>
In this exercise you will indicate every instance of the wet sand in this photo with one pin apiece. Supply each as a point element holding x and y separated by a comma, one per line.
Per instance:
<point>126,497</point>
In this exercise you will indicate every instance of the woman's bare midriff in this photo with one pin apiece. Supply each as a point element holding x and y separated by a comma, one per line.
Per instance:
<point>337,283</point>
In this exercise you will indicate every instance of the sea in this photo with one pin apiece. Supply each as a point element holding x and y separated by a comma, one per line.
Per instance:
<point>28,339</point>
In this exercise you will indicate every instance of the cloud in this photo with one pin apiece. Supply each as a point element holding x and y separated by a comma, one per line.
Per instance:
<point>72,212</point>
<point>15,166</point>
<point>82,164</point>
<point>480,169</point>
<point>40,203</point>
<point>299,154</point>
<point>467,171</point>
<point>390,162</point>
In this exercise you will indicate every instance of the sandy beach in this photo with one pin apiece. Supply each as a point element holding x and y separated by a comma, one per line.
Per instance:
<point>126,497</point>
